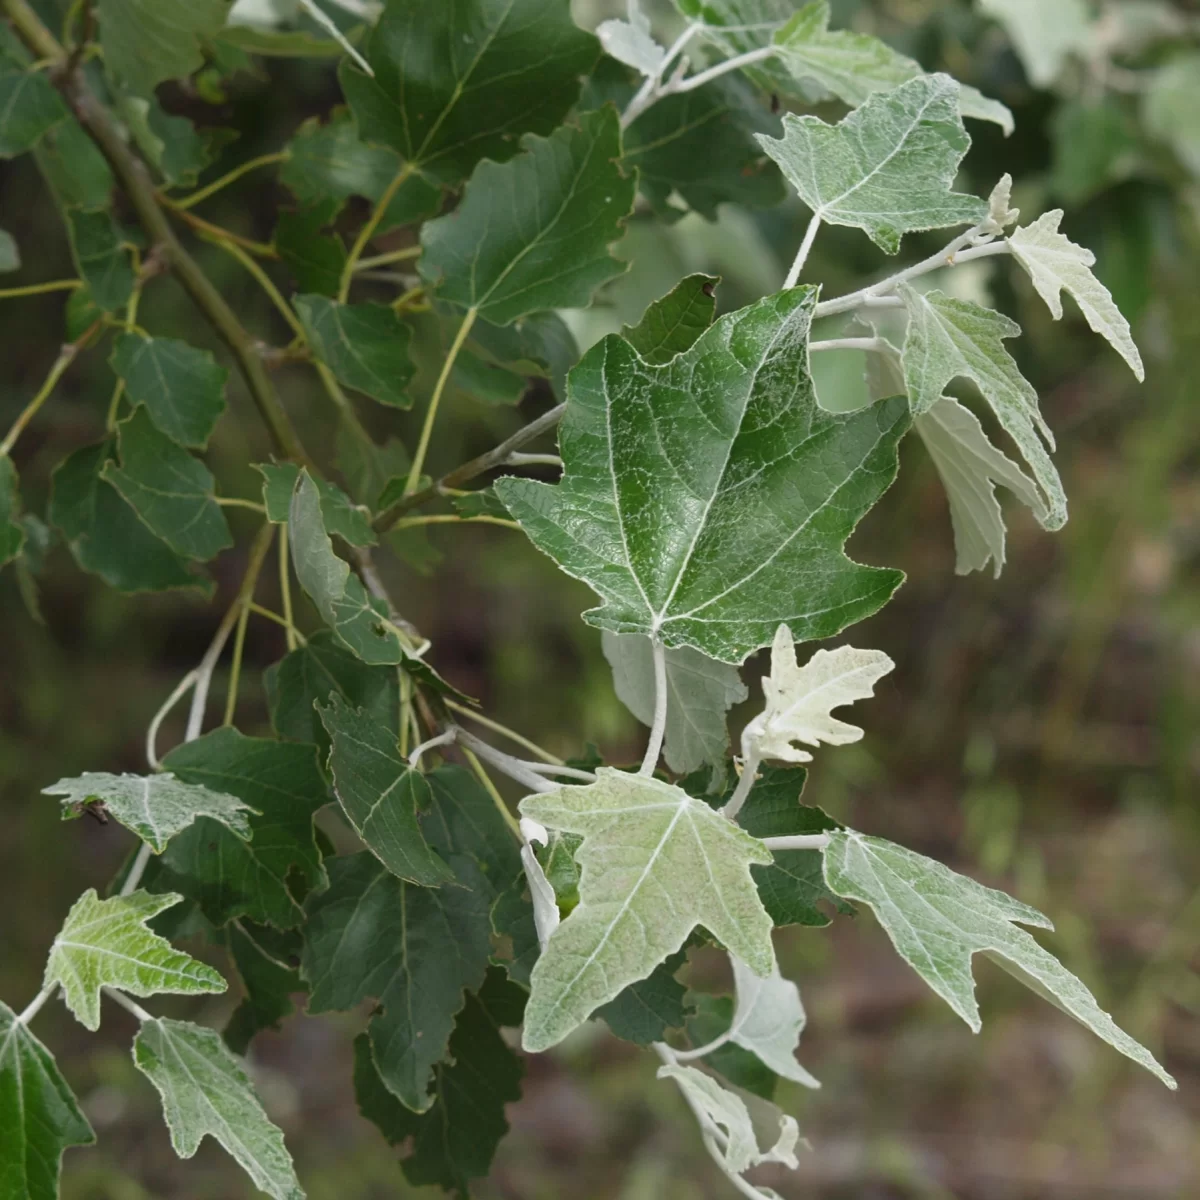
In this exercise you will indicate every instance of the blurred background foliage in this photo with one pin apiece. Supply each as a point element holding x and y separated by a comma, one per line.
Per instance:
<point>1039,731</point>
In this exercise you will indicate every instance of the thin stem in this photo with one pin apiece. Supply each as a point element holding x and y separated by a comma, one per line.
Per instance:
<point>39,289</point>
<point>498,800</point>
<point>137,870</point>
<point>454,519</point>
<point>495,457</point>
<point>181,690</point>
<point>722,68</point>
<point>414,475</point>
<point>659,727</point>
<point>810,236</point>
<point>504,731</point>
<point>218,233</point>
<point>514,768</point>
<point>518,459</point>
<point>129,1005</point>
<point>263,160</point>
<point>445,738</point>
<point>649,92</point>
<point>326,22</point>
<point>544,768</point>
<point>36,1004</point>
<point>245,598</point>
<point>870,344</point>
<point>367,232</point>
<point>382,260</point>
<point>260,611</point>
<point>702,1051</point>
<point>238,502</point>
<point>265,282</point>
<point>285,590</point>
<point>406,696</point>
<point>800,841</point>
<point>744,785</point>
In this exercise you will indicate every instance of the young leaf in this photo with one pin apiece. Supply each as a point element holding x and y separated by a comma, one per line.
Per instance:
<point>148,41</point>
<point>182,388</point>
<point>888,167</point>
<point>169,489</point>
<point>655,864</point>
<point>712,1017</point>
<point>105,535</point>
<point>364,345</point>
<point>269,985</point>
<point>646,1010</point>
<point>768,1021</point>
<point>341,515</point>
<point>800,699</point>
<point>10,254</point>
<point>155,807</point>
<point>226,876</point>
<point>321,668</point>
<point>948,338</point>
<point>631,41</point>
<point>700,693</point>
<point>533,233</point>
<point>1043,36</point>
<point>970,467</point>
<point>101,257</point>
<point>38,1113</point>
<point>456,1139</point>
<point>1054,262</point>
<point>381,795</point>
<point>671,325</point>
<point>853,66</point>
<point>755,488</point>
<point>206,1092</point>
<point>106,943</point>
<point>29,108</point>
<point>12,536</point>
<point>938,919</point>
<point>458,82</point>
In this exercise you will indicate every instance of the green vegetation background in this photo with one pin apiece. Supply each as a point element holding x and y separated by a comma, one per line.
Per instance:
<point>1039,730</point>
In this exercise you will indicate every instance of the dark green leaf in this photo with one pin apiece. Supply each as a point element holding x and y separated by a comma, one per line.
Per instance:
<point>483,503</point>
<point>82,313</point>
<point>147,41</point>
<point>368,467</point>
<point>381,795</point>
<point>12,536</point>
<point>76,171</point>
<point>754,488</point>
<point>364,345</point>
<point>105,534</point>
<point>101,257</point>
<point>319,669</point>
<point>645,1010</point>
<point>182,388</point>
<point>514,930</point>
<point>455,1141</point>
<point>265,878</point>
<point>29,106</point>
<point>459,81</point>
<point>275,43</point>
<point>38,1113</point>
<point>269,985</point>
<point>314,257</point>
<point>562,871</point>
<point>713,1016</point>
<point>671,325</point>
<point>169,489</point>
<point>539,344</point>
<point>178,150</point>
<point>341,515</point>
<point>533,233</point>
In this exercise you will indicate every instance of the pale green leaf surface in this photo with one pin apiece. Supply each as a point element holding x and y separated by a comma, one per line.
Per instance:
<point>888,167</point>
<point>169,489</point>
<point>753,489</point>
<point>853,66</point>
<point>364,345</point>
<point>1169,108</point>
<point>533,233</point>
<point>182,388</point>
<point>739,26</point>
<point>800,699</point>
<point>700,693</point>
<point>655,864</point>
<point>950,338</point>
<point>10,254</point>
<point>147,41</point>
<point>1054,262</point>
<point>1044,35</point>
<point>768,1020</point>
<point>205,1092</point>
<point>39,1114</point>
<point>155,807</point>
<point>341,515</point>
<point>632,41</point>
<point>381,795</point>
<point>938,920</point>
<point>106,943</point>
<point>461,80</point>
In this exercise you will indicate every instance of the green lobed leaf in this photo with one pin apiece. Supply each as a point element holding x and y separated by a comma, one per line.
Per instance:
<point>263,879</point>
<point>105,534</point>
<point>1043,36</point>
<point>101,257</point>
<point>364,345</point>
<point>73,167</point>
<point>754,488</point>
<point>39,1114</point>
<point>341,515</point>
<point>655,863</point>
<point>533,232</point>
<point>888,167</point>
<point>314,672</point>
<point>937,920</point>
<point>381,795</point>
<point>181,387</point>
<point>671,324</point>
<point>460,81</point>
<point>481,503</point>
<point>12,535</point>
<point>853,66</point>
<point>205,1092</point>
<point>268,982</point>
<point>539,345</point>
<point>455,1141</point>
<point>736,27</point>
<point>155,807</point>
<point>949,338</point>
<point>29,108</point>
<point>106,943</point>
<point>148,41</point>
<point>1054,262</point>
<point>169,489</point>
<point>10,254</point>
<point>177,148</point>
<point>644,1011</point>
<point>315,256</point>
<point>700,693</point>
